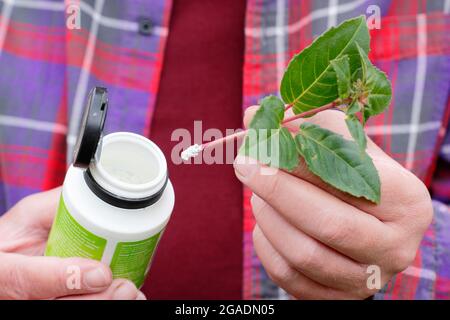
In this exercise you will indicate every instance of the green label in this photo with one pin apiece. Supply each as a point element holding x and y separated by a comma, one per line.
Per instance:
<point>132,259</point>
<point>69,239</point>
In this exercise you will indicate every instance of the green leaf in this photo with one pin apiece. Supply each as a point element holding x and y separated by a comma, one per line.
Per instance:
<point>357,131</point>
<point>341,67</point>
<point>267,141</point>
<point>310,81</point>
<point>357,74</point>
<point>338,162</point>
<point>269,115</point>
<point>377,85</point>
<point>366,114</point>
<point>353,108</point>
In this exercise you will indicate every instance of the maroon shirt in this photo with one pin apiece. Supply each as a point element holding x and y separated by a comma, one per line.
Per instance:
<point>200,255</point>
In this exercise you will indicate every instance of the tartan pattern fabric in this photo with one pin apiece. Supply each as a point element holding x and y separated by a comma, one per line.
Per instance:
<point>413,48</point>
<point>47,70</point>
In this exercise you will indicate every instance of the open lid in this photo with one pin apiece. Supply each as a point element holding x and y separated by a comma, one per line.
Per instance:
<point>91,127</point>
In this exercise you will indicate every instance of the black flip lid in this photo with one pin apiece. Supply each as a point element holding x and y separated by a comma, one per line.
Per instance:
<point>91,127</point>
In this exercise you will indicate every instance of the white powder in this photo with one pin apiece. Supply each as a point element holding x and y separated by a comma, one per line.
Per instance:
<point>190,152</point>
<point>124,175</point>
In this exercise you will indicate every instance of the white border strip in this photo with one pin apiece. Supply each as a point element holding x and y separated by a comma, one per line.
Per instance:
<point>104,21</point>
<point>31,124</point>
<point>420,273</point>
<point>447,6</point>
<point>40,5</point>
<point>6,16</point>
<point>83,79</point>
<point>403,128</point>
<point>371,130</point>
<point>333,5</point>
<point>298,25</point>
<point>280,39</point>
<point>419,87</point>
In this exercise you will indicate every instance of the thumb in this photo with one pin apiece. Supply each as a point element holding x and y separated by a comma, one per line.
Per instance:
<point>24,278</point>
<point>249,114</point>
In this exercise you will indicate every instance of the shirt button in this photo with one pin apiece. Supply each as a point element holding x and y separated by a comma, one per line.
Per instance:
<point>145,26</point>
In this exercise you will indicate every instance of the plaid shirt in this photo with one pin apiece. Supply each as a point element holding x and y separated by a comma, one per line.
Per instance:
<point>47,70</point>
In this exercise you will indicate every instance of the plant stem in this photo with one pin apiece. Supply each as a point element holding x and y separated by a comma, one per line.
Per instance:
<point>311,112</point>
<point>288,107</point>
<point>240,134</point>
<point>230,137</point>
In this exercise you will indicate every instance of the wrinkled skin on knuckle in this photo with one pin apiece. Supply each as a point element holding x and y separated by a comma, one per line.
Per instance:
<point>13,284</point>
<point>416,218</point>
<point>277,269</point>
<point>358,283</point>
<point>270,188</point>
<point>336,230</point>
<point>409,196</point>
<point>281,273</point>
<point>364,291</point>
<point>414,212</point>
<point>421,207</point>
<point>307,259</point>
<point>398,253</point>
<point>402,258</point>
<point>342,231</point>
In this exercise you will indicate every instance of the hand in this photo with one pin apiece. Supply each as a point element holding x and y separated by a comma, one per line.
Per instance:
<point>317,242</point>
<point>25,274</point>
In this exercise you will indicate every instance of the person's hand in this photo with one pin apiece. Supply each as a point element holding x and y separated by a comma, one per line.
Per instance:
<point>316,242</point>
<point>25,274</point>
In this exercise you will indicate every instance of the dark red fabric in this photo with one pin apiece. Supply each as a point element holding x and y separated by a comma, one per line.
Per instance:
<point>200,255</point>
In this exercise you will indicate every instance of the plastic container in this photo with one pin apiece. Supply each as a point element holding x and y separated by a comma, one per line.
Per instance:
<point>116,199</point>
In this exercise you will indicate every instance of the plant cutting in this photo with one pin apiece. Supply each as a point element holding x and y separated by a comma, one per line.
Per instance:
<point>334,72</point>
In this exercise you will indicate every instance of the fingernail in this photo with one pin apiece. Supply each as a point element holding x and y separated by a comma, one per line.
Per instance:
<point>245,167</point>
<point>253,199</point>
<point>141,296</point>
<point>125,291</point>
<point>245,111</point>
<point>97,278</point>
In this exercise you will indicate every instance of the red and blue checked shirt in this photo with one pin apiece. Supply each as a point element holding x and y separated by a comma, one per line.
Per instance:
<point>47,70</point>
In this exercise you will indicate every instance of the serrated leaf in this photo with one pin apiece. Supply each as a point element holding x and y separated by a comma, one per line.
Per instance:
<point>267,141</point>
<point>269,115</point>
<point>357,131</point>
<point>341,67</point>
<point>338,162</point>
<point>310,81</point>
<point>377,84</point>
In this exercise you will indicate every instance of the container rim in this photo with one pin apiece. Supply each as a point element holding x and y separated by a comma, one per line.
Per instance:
<point>124,189</point>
